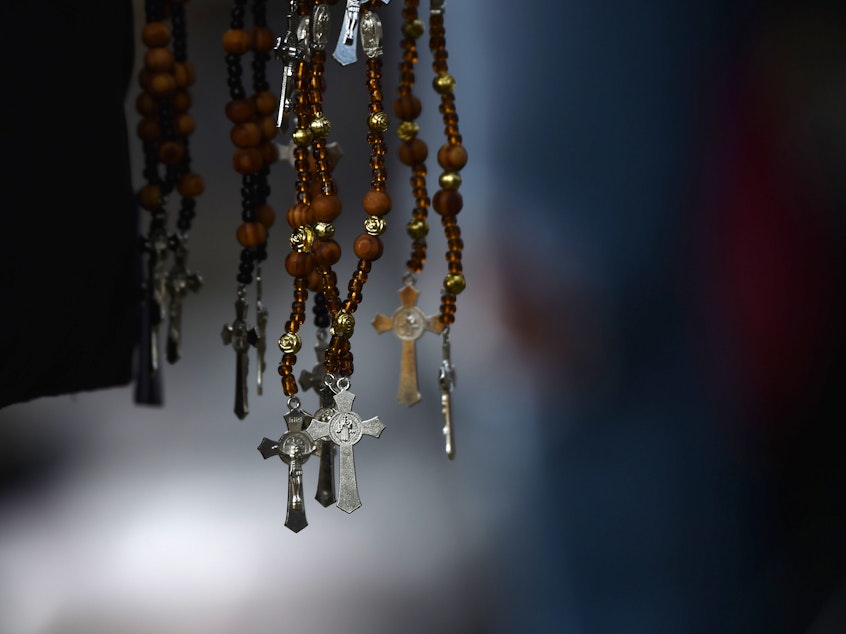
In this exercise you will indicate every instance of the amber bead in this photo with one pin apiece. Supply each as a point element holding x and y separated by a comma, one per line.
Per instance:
<point>240,110</point>
<point>268,128</point>
<point>149,130</point>
<point>251,234</point>
<point>326,251</point>
<point>162,84</point>
<point>245,134</point>
<point>326,208</point>
<point>408,107</point>
<point>191,184</point>
<point>184,74</point>
<point>452,157</point>
<point>299,214</point>
<point>447,202</point>
<point>155,34</point>
<point>299,264</point>
<point>376,203</point>
<point>263,39</point>
<point>184,124</point>
<point>315,281</point>
<point>237,41</point>
<point>171,152</point>
<point>181,100</point>
<point>289,385</point>
<point>247,160</point>
<point>266,102</point>
<point>146,104</point>
<point>413,152</point>
<point>158,60</point>
<point>368,247</point>
<point>150,196</point>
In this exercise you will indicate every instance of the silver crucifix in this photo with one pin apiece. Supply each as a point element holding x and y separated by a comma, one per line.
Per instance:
<point>345,428</point>
<point>446,380</point>
<point>179,282</point>
<point>155,291</point>
<point>240,336</point>
<point>290,49</point>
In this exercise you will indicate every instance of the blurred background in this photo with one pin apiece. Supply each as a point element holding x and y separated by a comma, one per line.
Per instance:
<point>649,353</point>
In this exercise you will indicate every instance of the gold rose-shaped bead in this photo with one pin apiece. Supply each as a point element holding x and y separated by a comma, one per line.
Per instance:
<point>302,238</point>
<point>407,130</point>
<point>375,225</point>
<point>290,343</point>
<point>454,283</point>
<point>444,83</point>
<point>417,228</point>
<point>343,325</point>
<point>378,121</point>
<point>324,230</point>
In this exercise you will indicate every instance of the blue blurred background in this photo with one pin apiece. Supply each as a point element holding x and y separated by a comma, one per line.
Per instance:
<point>649,360</point>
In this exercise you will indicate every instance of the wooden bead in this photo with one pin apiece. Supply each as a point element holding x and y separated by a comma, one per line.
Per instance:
<point>267,125</point>
<point>299,214</point>
<point>408,107</point>
<point>326,208</point>
<point>171,152</point>
<point>184,74</point>
<point>376,203</point>
<point>269,152</point>
<point>245,134</point>
<point>162,84</point>
<point>159,59</point>
<point>265,215</point>
<point>240,110</point>
<point>181,100</point>
<point>251,234</point>
<point>266,103</point>
<point>184,124</point>
<point>447,202</point>
<point>149,130</point>
<point>247,160</point>
<point>146,104</point>
<point>452,157</point>
<point>150,196</point>
<point>413,152</point>
<point>299,264</point>
<point>367,247</point>
<point>315,281</point>
<point>263,39</point>
<point>237,41</point>
<point>191,184</point>
<point>155,34</point>
<point>326,251</point>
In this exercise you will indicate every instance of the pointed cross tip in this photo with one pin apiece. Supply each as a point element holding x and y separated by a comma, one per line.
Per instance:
<point>296,521</point>
<point>326,499</point>
<point>349,507</point>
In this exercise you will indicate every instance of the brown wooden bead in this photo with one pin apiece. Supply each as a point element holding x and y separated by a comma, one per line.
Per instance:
<point>266,103</point>
<point>413,152</point>
<point>162,84</point>
<point>184,124</point>
<point>263,39</point>
<point>191,184</point>
<point>299,264</point>
<point>376,203</point>
<point>326,208</point>
<point>269,152</point>
<point>146,104</point>
<point>171,152</point>
<point>245,134</point>
<point>182,101</point>
<point>237,41</point>
<point>184,74</point>
<point>408,107</point>
<point>299,214</point>
<point>447,202</point>
<point>265,215</point>
<point>315,281</point>
<point>267,125</point>
<point>247,160</point>
<point>240,110</point>
<point>155,34</point>
<point>149,130</point>
<point>368,247</point>
<point>251,234</point>
<point>326,251</point>
<point>158,60</point>
<point>452,157</point>
<point>150,196</point>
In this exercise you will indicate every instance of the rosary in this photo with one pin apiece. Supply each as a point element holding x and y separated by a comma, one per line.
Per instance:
<point>294,112</point>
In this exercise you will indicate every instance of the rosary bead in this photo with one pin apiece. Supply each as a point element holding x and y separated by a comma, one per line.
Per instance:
<point>247,160</point>
<point>444,83</point>
<point>447,202</point>
<point>407,107</point>
<point>245,134</point>
<point>299,264</point>
<point>184,124</point>
<point>158,60</point>
<point>289,385</point>
<point>452,157</point>
<point>150,196</point>
<point>376,203</point>
<point>327,252</point>
<point>413,152</point>
<point>302,137</point>
<point>251,234</point>
<point>148,129</point>
<point>240,110</point>
<point>266,103</point>
<point>267,124</point>
<point>190,185</point>
<point>181,101</point>
<point>146,104</point>
<point>155,34</point>
<point>265,215</point>
<point>378,121</point>
<point>162,84</point>
<point>300,214</point>
<point>171,152</point>
<point>413,28</point>
<point>407,130</point>
<point>320,126</point>
<point>450,180</point>
<point>326,208</point>
<point>368,247</point>
<point>454,283</point>
<point>324,229</point>
<point>269,153</point>
<point>184,74</point>
<point>263,39</point>
<point>302,238</point>
<point>290,343</point>
<point>237,41</point>
<point>343,325</point>
<point>417,228</point>
<point>375,225</point>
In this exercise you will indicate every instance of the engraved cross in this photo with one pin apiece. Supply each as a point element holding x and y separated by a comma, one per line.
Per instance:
<point>240,336</point>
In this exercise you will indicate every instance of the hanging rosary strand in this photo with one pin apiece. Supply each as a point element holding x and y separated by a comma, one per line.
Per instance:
<point>164,128</point>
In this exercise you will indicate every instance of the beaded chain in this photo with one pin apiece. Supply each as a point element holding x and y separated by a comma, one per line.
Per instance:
<point>252,132</point>
<point>164,128</point>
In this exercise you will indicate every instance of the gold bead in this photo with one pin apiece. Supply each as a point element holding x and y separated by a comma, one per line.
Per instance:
<point>407,130</point>
<point>290,343</point>
<point>454,283</point>
<point>320,126</point>
<point>343,325</point>
<point>414,28</point>
<point>324,229</point>
<point>450,180</point>
<point>378,121</point>
<point>444,83</point>
<point>302,137</point>
<point>375,225</point>
<point>417,228</point>
<point>302,238</point>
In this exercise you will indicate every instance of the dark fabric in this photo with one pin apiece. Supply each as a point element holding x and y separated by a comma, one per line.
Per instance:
<point>70,264</point>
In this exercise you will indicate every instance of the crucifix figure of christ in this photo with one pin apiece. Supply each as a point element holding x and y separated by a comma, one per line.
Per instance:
<point>408,323</point>
<point>316,380</point>
<point>345,428</point>
<point>240,336</point>
<point>293,448</point>
<point>179,281</point>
